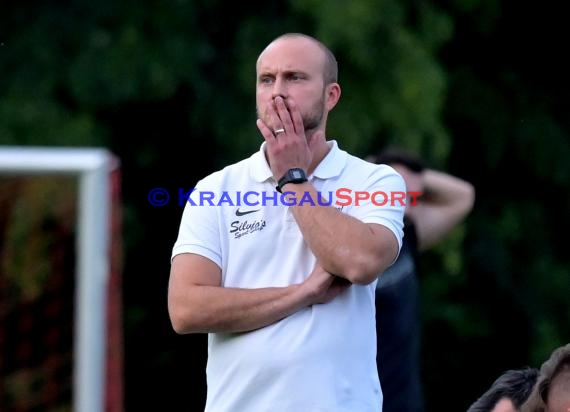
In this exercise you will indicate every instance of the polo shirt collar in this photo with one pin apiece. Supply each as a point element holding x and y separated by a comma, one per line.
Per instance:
<point>260,170</point>
<point>333,163</point>
<point>330,166</point>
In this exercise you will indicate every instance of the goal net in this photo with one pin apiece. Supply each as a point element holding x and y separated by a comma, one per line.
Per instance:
<point>60,286</point>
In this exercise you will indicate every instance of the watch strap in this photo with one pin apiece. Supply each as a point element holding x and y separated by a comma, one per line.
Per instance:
<point>295,175</point>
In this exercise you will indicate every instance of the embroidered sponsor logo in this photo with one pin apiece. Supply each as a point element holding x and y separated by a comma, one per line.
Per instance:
<point>240,229</point>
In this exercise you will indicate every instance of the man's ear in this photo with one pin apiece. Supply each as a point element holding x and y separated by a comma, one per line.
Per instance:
<point>332,95</point>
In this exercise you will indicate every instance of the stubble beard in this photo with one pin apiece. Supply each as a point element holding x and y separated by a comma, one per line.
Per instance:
<point>313,119</point>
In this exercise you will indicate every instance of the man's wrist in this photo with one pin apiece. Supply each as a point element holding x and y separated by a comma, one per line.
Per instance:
<point>295,176</point>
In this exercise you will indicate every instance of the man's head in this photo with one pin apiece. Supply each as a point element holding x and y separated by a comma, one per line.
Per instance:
<point>558,395</point>
<point>509,391</point>
<point>408,165</point>
<point>302,70</point>
<point>552,391</point>
<point>504,405</point>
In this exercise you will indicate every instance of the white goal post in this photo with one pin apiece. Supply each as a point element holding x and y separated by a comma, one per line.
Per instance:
<point>92,167</point>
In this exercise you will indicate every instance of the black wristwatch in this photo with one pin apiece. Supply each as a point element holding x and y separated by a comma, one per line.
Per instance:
<point>295,175</point>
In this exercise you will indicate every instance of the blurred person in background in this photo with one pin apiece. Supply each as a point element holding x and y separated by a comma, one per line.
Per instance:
<point>508,393</point>
<point>552,390</point>
<point>437,204</point>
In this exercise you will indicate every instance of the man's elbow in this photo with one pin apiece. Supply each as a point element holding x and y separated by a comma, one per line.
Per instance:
<point>365,270</point>
<point>183,321</point>
<point>179,324</point>
<point>362,278</point>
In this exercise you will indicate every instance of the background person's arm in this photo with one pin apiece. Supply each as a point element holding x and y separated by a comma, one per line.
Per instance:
<point>446,201</point>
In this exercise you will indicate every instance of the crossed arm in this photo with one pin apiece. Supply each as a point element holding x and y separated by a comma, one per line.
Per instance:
<point>344,246</point>
<point>198,303</point>
<point>354,251</point>
<point>347,251</point>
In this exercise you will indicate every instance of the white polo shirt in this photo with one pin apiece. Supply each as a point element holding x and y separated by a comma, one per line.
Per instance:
<point>323,357</point>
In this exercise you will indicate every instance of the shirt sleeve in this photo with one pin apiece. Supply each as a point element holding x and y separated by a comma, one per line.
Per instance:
<point>386,202</point>
<point>199,228</point>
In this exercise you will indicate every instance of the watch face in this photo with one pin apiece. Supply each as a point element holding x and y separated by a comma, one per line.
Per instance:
<point>296,174</point>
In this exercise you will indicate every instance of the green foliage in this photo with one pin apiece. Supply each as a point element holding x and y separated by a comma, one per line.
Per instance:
<point>38,215</point>
<point>393,88</point>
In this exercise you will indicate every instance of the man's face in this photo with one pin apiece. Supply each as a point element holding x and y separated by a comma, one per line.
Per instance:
<point>504,405</point>
<point>558,396</point>
<point>292,68</point>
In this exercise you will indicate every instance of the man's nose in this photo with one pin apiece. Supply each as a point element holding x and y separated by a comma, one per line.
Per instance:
<point>279,88</point>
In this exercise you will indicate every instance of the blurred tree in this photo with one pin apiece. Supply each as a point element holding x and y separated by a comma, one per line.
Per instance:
<point>505,108</point>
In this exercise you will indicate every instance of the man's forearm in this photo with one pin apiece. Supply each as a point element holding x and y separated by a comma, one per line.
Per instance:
<point>342,244</point>
<point>219,309</point>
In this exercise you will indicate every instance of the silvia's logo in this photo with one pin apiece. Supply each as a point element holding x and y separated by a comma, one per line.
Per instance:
<point>245,212</point>
<point>240,229</point>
